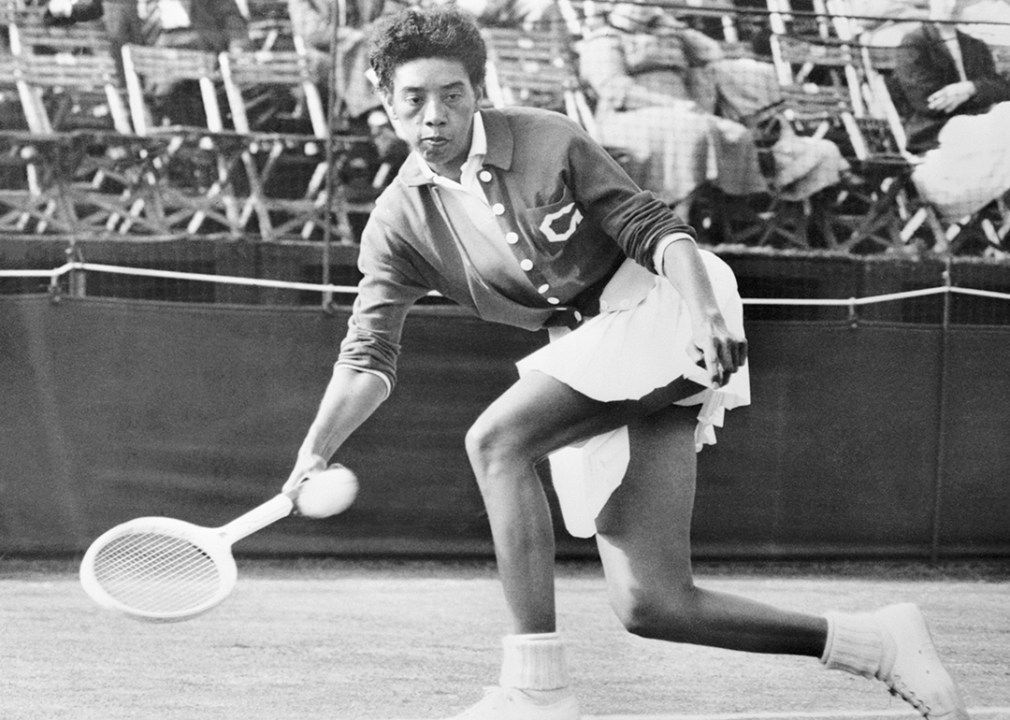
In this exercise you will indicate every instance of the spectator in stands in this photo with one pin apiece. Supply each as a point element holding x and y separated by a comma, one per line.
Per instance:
<point>517,215</point>
<point>655,105</point>
<point>956,111</point>
<point>678,112</point>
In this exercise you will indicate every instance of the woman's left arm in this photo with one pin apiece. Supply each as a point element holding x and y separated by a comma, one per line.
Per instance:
<point>722,351</point>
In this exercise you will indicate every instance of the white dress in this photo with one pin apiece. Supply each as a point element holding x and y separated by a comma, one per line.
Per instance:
<point>636,344</point>
<point>971,167</point>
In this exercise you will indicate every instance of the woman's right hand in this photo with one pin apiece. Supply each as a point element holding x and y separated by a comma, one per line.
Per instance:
<point>304,467</point>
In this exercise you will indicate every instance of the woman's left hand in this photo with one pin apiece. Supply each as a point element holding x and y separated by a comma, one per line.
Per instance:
<point>719,350</point>
<point>950,98</point>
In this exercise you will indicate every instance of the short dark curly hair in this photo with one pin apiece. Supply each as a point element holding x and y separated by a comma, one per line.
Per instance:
<point>434,32</point>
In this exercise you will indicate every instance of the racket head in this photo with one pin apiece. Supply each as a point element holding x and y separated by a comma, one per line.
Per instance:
<point>159,569</point>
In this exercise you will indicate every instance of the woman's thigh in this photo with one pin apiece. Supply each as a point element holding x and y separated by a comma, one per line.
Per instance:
<point>644,530</point>
<point>540,414</point>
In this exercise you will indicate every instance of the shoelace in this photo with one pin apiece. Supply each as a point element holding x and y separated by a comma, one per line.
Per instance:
<point>897,688</point>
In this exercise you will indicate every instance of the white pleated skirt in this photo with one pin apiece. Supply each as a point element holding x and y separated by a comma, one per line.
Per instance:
<point>637,346</point>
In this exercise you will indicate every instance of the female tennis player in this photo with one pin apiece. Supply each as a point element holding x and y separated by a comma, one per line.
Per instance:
<point>519,216</point>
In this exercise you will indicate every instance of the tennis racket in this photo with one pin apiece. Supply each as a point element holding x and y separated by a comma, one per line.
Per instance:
<point>160,569</point>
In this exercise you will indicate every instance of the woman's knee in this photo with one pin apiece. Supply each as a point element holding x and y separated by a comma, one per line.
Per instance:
<point>493,444</point>
<point>655,610</point>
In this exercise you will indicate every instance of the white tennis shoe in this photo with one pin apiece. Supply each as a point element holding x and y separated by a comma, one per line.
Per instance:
<point>504,703</point>
<point>911,667</point>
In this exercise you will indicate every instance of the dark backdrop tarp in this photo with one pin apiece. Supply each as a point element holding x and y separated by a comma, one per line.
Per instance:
<point>872,439</point>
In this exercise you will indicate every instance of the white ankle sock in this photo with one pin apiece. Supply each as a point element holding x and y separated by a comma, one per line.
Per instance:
<point>534,662</point>
<point>855,644</point>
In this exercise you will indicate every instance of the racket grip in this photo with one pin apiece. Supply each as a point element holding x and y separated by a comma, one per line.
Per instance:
<point>271,511</point>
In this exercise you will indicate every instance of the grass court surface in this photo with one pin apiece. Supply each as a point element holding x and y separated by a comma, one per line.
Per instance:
<point>383,640</point>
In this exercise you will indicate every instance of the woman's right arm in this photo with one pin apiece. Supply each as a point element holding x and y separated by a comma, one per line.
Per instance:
<point>350,398</point>
<point>365,372</point>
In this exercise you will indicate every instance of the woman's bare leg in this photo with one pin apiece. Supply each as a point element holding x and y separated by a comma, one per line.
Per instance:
<point>534,417</point>
<point>644,542</point>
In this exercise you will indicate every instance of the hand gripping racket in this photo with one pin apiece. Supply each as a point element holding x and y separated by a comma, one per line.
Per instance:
<point>159,569</point>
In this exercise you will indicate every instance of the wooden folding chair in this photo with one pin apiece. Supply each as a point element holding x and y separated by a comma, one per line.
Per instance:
<point>269,24</point>
<point>872,205</point>
<point>84,164</point>
<point>30,36</point>
<point>37,163</point>
<point>288,171</point>
<point>536,68</point>
<point>198,163</point>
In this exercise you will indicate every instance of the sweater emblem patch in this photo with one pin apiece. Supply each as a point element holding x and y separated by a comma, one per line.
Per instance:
<point>561,224</point>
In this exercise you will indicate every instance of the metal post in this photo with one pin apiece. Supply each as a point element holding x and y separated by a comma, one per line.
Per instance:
<point>338,19</point>
<point>941,416</point>
<point>76,279</point>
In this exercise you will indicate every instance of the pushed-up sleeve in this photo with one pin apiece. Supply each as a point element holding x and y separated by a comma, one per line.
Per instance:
<point>388,289</point>
<point>635,218</point>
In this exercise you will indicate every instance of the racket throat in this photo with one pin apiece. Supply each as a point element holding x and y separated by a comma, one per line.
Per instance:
<point>280,506</point>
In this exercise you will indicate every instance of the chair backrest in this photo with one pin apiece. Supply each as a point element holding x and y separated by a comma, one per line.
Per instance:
<point>886,97</point>
<point>88,83</point>
<point>146,67</point>
<point>248,74</point>
<point>702,13</point>
<point>30,35</point>
<point>535,68</point>
<point>838,58</point>
<point>531,68</point>
<point>12,83</point>
<point>269,24</point>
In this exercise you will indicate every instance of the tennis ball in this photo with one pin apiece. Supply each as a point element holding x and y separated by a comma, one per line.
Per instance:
<point>327,492</point>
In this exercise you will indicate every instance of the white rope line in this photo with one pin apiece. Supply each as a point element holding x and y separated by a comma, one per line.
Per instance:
<point>847,302</point>
<point>55,273</point>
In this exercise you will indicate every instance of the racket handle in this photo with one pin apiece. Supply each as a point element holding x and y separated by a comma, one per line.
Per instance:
<point>271,511</point>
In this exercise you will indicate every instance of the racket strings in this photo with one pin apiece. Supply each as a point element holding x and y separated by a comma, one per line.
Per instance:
<point>157,573</point>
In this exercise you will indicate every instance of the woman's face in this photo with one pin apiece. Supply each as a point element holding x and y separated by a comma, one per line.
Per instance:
<point>433,102</point>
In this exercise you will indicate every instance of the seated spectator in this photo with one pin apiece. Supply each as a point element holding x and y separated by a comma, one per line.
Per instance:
<point>956,111</point>
<point>654,107</point>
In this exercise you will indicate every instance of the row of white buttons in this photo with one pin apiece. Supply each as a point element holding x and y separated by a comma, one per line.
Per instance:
<point>512,238</point>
